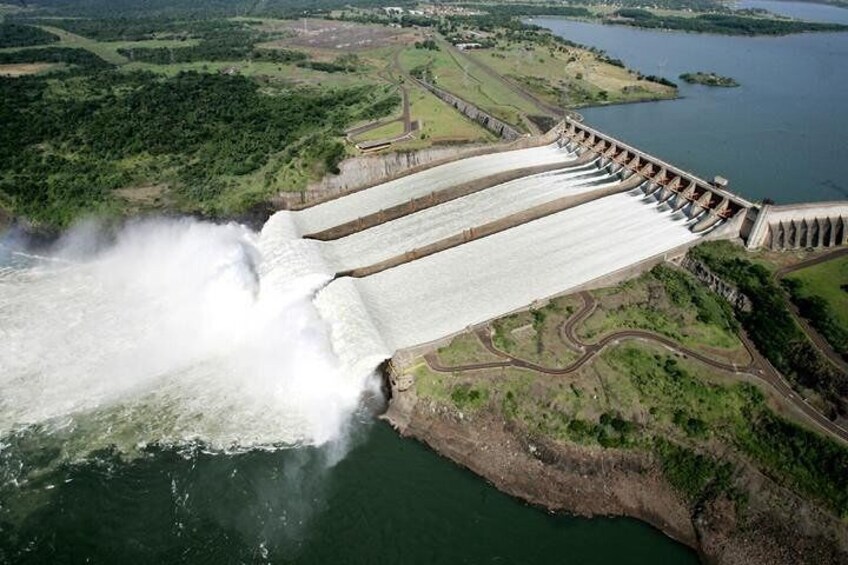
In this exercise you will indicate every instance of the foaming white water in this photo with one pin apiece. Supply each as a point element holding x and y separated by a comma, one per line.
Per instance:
<point>211,326</point>
<point>449,218</point>
<point>441,294</point>
<point>401,190</point>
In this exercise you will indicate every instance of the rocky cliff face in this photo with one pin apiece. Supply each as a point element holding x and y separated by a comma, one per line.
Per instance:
<point>717,284</point>
<point>771,527</point>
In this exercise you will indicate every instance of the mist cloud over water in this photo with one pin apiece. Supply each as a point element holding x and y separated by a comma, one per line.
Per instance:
<point>177,330</point>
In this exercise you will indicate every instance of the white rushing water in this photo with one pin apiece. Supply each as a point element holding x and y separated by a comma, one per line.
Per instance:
<point>450,218</point>
<point>402,190</point>
<point>178,330</point>
<point>444,293</point>
<point>207,332</point>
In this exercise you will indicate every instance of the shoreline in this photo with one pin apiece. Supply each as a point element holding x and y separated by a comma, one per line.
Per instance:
<point>772,526</point>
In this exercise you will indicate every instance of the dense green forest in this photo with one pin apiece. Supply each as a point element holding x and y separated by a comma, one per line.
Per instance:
<point>727,24</point>
<point>140,29</point>
<point>772,328</point>
<point>18,35</point>
<point>201,9</point>
<point>209,143</point>
<point>227,45</point>
<point>69,141</point>
<point>80,59</point>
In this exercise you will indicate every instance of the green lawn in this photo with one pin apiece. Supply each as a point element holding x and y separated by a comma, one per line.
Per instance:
<point>105,51</point>
<point>387,131</point>
<point>440,123</point>
<point>830,281</point>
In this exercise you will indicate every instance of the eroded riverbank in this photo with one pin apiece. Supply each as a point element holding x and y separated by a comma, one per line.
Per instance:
<point>648,429</point>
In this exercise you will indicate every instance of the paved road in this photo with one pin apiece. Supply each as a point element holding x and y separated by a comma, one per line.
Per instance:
<point>405,117</point>
<point>758,366</point>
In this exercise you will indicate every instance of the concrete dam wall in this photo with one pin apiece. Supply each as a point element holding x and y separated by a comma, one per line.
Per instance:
<point>800,226</point>
<point>363,172</point>
<point>673,185</point>
<point>426,255</point>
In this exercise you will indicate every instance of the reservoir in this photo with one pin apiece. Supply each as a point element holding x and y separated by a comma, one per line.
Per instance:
<point>783,134</point>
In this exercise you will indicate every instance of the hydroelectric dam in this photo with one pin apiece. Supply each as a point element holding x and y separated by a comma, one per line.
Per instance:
<point>421,257</point>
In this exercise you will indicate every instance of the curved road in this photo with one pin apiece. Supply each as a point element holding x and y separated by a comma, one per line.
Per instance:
<point>758,366</point>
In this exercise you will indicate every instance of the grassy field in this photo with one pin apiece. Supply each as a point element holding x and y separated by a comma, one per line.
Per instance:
<point>534,335</point>
<point>17,70</point>
<point>663,303</point>
<point>103,50</point>
<point>568,76</point>
<point>389,130</point>
<point>440,123</point>
<point>468,82</point>
<point>828,280</point>
<point>463,349</point>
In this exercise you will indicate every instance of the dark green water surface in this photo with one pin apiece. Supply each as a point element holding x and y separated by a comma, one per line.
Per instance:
<point>388,501</point>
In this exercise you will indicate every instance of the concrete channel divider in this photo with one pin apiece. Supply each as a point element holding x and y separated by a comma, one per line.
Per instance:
<point>439,197</point>
<point>491,228</point>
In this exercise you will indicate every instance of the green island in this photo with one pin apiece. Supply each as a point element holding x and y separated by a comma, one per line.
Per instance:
<point>709,79</point>
<point>653,385</point>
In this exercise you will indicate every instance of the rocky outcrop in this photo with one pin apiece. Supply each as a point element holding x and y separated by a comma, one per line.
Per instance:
<point>772,527</point>
<point>717,284</point>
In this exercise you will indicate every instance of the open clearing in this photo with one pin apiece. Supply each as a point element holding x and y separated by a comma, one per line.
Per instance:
<point>102,50</point>
<point>335,36</point>
<point>22,69</point>
<point>469,82</point>
<point>440,123</point>
<point>569,76</point>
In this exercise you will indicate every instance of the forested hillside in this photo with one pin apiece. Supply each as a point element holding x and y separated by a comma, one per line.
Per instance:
<point>67,144</point>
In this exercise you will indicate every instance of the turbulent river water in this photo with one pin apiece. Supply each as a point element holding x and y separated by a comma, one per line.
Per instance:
<point>187,392</point>
<point>181,391</point>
